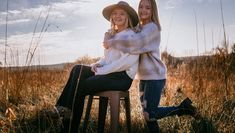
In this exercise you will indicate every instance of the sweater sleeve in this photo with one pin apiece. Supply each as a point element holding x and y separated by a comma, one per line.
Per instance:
<point>137,43</point>
<point>102,61</point>
<point>122,64</point>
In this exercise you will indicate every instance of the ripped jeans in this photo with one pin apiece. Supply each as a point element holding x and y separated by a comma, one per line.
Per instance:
<point>150,94</point>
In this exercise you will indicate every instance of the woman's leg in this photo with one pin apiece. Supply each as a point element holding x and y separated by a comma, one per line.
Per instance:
<point>67,94</point>
<point>72,125</point>
<point>77,113</point>
<point>152,125</point>
<point>72,96</point>
<point>150,94</point>
<point>118,81</point>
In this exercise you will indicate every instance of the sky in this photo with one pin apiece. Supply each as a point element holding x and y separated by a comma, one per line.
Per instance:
<point>58,31</point>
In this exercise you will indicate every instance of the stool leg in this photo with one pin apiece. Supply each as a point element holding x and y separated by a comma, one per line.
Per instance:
<point>88,110</point>
<point>115,106</point>
<point>103,103</point>
<point>128,113</point>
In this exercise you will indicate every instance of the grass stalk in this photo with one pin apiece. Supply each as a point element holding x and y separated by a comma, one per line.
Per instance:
<point>43,30</point>
<point>212,40</point>
<point>5,71</point>
<point>196,24</point>
<point>204,31</point>
<point>225,44</point>
<point>31,54</point>
<point>31,42</point>
<point>222,18</point>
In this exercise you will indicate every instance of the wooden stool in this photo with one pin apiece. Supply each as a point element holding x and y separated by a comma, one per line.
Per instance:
<point>114,97</point>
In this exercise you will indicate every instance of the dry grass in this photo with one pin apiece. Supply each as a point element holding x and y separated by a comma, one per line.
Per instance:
<point>208,81</point>
<point>27,94</point>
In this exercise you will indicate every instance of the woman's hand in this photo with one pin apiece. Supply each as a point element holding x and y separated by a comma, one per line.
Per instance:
<point>105,45</point>
<point>107,36</point>
<point>94,67</point>
<point>137,29</point>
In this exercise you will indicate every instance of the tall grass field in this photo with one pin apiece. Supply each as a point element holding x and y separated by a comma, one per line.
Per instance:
<point>27,94</point>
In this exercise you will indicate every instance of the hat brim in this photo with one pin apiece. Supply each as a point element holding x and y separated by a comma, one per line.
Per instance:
<point>132,13</point>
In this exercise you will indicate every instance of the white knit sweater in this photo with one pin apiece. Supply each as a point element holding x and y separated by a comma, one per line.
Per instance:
<point>146,43</point>
<point>116,61</point>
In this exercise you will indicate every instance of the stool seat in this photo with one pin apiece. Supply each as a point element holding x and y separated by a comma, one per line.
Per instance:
<point>114,97</point>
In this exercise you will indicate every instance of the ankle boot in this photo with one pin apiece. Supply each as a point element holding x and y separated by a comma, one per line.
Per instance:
<point>186,108</point>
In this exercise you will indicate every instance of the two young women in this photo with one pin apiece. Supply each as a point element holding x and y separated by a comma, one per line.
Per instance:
<point>126,54</point>
<point>151,70</point>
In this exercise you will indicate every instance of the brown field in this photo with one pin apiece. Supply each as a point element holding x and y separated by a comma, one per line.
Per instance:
<point>26,94</point>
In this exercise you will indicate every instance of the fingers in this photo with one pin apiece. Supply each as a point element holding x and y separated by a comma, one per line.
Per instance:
<point>98,65</point>
<point>94,69</point>
<point>105,45</point>
<point>106,36</point>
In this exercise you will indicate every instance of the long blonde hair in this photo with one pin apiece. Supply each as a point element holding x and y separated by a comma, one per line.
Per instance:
<point>114,28</point>
<point>155,14</point>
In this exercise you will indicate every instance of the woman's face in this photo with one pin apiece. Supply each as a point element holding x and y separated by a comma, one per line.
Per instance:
<point>145,10</point>
<point>119,17</point>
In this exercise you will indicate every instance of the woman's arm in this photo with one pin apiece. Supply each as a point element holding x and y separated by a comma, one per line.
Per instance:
<point>122,64</point>
<point>136,43</point>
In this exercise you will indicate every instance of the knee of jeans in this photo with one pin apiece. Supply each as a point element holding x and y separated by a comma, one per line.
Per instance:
<point>76,67</point>
<point>145,112</point>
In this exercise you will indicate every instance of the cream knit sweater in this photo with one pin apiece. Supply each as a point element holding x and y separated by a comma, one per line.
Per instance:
<point>146,43</point>
<point>116,61</point>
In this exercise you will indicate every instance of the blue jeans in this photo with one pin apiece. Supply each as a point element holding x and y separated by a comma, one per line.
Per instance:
<point>150,94</point>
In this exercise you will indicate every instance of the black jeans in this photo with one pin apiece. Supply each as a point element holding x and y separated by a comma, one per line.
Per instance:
<point>88,84</point>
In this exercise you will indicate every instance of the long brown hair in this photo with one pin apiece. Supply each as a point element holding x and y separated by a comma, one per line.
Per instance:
<point>155,14</point>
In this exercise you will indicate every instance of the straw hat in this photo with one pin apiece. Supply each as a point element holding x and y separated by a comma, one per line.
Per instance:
<point>125,6</point>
